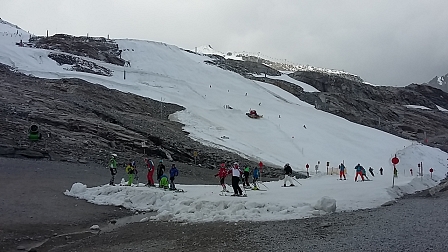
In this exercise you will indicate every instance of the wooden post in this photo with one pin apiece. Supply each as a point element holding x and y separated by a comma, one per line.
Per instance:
<point>161,107</point>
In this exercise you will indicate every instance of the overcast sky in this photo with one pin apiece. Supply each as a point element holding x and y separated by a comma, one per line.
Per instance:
<point>386,42</point>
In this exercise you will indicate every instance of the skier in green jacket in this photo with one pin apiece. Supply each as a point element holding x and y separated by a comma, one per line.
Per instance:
<point>163,182</point>
<point>246,176</point>
<point>130,171</point>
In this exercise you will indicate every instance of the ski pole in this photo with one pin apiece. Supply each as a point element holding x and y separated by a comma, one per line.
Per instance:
<point>296,180</point>
<point>243,188</point>
<point>261,183</point>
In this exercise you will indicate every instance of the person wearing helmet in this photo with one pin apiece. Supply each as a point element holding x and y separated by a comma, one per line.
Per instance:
<point>288,175</point>
<point>359,169</point>
<point>236,174</point>
<point>113,168</point>
<point>255,176</point>
<point>151,169</point>
<point>173,173</point>
<point>130,171</point>
<point>222,173</point>
<point>160,169</point>
<point>342,171</point>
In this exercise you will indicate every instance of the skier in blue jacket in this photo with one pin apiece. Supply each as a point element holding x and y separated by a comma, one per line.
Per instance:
<point>256,176</point>
<point>173,173</point>
<point>359,169</point>
<point>342,171</point>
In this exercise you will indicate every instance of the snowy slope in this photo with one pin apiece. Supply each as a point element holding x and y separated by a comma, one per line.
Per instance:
<point>164,72</point>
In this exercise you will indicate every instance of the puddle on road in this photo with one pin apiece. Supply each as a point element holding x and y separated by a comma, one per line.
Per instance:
<point>63,239</point>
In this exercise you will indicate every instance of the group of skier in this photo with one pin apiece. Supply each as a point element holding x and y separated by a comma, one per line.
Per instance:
<point>132,172</point>
<point>238,174</point>
<point>243,174</point>
<point>360,171</point>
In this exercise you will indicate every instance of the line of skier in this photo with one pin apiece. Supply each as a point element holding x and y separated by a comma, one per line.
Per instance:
<point>238,175</point>
<point>360,171</point>
<point>132,172</point>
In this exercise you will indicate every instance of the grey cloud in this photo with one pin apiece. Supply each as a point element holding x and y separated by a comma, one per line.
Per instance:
<point>385,42</point>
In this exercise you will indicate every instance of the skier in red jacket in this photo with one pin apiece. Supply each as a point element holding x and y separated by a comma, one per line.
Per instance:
<point>151,169</point>
<point>223,172</point>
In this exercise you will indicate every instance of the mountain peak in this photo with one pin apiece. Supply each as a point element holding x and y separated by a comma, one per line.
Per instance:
<point>440,82</point>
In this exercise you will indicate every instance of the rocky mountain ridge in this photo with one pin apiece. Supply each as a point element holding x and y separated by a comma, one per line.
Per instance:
<point>440,82</point>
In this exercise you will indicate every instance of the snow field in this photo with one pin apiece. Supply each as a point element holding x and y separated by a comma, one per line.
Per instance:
<point>316,196</point>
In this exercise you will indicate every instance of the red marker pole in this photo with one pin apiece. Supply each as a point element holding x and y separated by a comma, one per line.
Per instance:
<point>431,170</point>
<point>307,173</point>
<point>395,161</point>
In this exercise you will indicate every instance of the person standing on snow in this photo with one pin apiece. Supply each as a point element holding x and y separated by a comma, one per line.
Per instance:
<point>256,176</point>
<point>151,169</point>
<point>236,174</point>
<point>134,166</point>
<point>130,171</point>
<point>381,170</point>
<point>364,173</point>
<point>173,173</point>
<point>359,169</point>
<point>288,175</point>
<point>113,168</point>
<point>222,173</point>
<point>160,169</point>
<point>371,171</point>
<point>342,171</point>
<point>246,176</point>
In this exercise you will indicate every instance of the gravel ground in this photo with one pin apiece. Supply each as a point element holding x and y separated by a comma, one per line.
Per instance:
<point>33,208</point>
<point>411,224</point>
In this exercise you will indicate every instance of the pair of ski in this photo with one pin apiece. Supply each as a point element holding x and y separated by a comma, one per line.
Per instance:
<point>172,190</point>
<point>233,195</point>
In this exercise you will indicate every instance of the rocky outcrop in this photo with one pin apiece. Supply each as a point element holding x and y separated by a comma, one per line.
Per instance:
<point>244,68</point>
<point>93,47</point>
<point>79,65</point>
